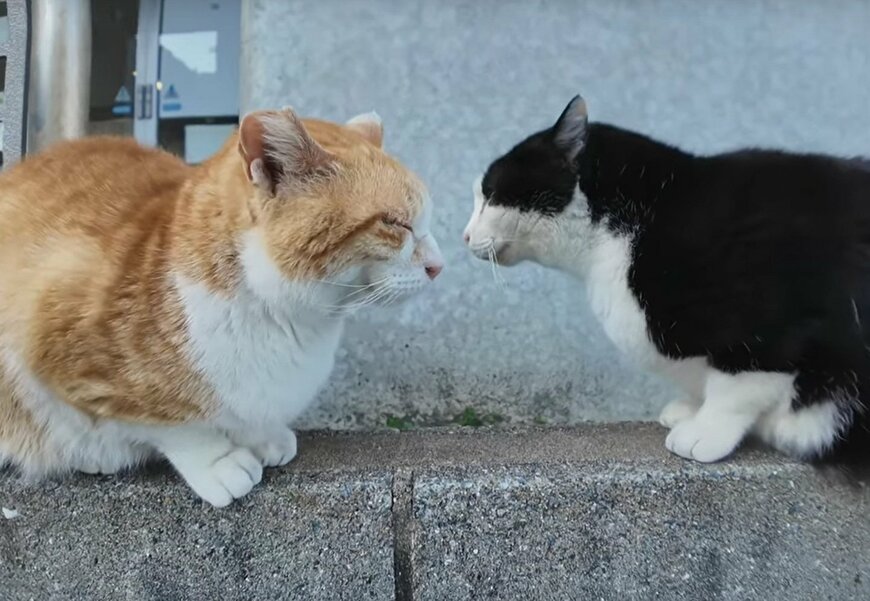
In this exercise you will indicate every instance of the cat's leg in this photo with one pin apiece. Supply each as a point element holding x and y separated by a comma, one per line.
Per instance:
<point>105,466</point>
<point>273,446</point>
<point>215,467</point>
<point>689,375</point>
<point>106,448</point>
<point>679,410</point>
<point>732,405</point>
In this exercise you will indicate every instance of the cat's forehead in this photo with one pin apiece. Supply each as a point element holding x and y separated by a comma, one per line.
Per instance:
<point>373,180</point>
<point>394,187</point>
<point>530,177</point>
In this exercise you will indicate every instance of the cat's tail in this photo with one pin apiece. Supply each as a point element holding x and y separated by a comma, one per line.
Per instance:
<point>851,452</point>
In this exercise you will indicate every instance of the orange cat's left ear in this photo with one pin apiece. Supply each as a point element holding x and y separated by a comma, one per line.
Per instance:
<point>277,148</point>
<point>369,126</point>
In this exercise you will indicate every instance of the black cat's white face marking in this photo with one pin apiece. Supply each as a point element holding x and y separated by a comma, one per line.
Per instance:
<point>528,199</point>
<point>501,234</point>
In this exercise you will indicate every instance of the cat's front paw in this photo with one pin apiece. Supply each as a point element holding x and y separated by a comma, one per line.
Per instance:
<point>277,452</point>
<point>230,477</point>
<point>705,440</point>
<point>677,411</point>
<point>95,468</point>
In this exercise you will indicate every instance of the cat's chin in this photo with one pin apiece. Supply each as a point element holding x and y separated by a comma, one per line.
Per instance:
<point>502,259</point>
<point>508,256</point>
<point>510,260</point>
<point>505,256</point>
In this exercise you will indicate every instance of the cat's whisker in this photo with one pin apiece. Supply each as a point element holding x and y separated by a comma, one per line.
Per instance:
<point>493,263</point>
<point>331,283</point>
<point>371,299</point>
<point>351,300</point>
<point>389,297</point>
<point>499,279</point>
<point>482,246</point>
<point>363,289</point>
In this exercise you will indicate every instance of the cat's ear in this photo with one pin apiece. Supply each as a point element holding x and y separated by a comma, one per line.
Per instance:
<point>276,147</point>
<point>369,126</point>
<point>570,131</point>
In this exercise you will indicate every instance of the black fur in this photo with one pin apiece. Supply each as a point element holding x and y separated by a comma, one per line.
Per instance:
<point>757,260</point>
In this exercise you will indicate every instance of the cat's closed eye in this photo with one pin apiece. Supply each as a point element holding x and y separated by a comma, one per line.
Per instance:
<point>393,221</point>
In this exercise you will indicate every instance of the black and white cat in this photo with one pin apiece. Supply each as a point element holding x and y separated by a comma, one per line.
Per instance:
<point>744,277</point>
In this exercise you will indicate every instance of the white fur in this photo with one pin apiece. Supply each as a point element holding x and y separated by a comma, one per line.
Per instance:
<point>613,302</point>
<point>718,409</point>
<point>732,405</point>
<point>217,468</point>
<point>369,125</point>
<point>370,118</point>
<point>266,360</point>
<point>678,411</point>
<point>805,431</point>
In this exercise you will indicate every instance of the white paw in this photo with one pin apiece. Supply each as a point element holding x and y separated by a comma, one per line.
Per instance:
<point>706,440</point>
<point>230,477</point>
<point>278,452</point>
<point>677,411</point>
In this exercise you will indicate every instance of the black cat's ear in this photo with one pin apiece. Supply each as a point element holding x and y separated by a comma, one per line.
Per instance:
<point>570,131</point>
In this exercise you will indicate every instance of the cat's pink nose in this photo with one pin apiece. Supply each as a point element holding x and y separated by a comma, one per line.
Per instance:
<point>433,270</point>
<point>466,237</point>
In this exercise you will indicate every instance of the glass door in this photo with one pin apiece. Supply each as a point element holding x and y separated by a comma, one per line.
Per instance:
<point>114,25</point>
<point>166,72</point>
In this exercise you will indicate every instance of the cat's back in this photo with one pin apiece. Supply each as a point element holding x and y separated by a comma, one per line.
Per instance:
<point>813,182</point>
<point>90,186</point>
<point>75,219</point>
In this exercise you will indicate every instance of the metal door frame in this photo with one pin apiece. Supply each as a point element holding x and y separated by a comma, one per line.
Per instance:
<point>145,113</point>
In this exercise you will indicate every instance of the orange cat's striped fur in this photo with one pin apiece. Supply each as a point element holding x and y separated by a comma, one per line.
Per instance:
<point>150,307</point>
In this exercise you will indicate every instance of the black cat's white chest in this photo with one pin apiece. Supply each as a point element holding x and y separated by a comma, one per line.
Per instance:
<point>613,302</point>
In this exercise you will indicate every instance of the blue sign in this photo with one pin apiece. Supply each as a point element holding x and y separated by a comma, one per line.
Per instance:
<point>123,105</point>
<point>171,100</point>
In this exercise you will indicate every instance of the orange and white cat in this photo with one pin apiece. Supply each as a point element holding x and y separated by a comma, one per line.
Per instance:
<point>152,308</point>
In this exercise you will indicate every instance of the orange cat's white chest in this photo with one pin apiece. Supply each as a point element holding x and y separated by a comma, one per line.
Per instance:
<point>265,364</point>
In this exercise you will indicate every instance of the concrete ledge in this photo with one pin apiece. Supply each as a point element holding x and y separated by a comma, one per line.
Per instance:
<point>596,512</point>
<point>304,536</point>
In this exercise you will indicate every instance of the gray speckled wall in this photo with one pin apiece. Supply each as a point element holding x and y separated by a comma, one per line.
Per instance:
<point>459,81</point>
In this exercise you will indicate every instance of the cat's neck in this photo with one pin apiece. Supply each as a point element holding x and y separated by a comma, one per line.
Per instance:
<point>211,214</point>
<point>216,242</point>
<point>566,244</point>
<point>622,177</point>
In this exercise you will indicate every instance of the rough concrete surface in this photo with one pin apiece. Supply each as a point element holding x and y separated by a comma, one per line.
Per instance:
<point>298,536</point>
<point>624,534</point>
<point>459,81</point>
<point>585,513</point>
